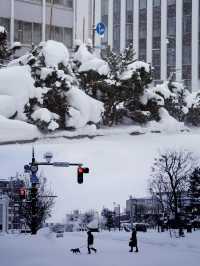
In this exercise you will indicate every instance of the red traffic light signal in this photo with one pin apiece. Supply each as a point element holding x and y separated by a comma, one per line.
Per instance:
<point>80,172</point>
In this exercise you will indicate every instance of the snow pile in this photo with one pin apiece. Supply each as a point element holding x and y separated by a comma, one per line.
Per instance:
<point>17,82</point>
<point>13,130</point>
<point>90,61</point>
<point>166,124</point>
<point>148,95</point>
<point>163,89</point>
<point>7,106</point>
<point>55,53</point>
<point>134,67</point>
<point>83,109</point>
<point>2,29</point>
<point>46,116</point>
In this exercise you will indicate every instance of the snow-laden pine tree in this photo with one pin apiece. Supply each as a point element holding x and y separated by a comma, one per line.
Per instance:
<point>54,79</point>
<point>4,51</point>
<point>194,191</point>
<point>118,80</point>
<point>193,115</point>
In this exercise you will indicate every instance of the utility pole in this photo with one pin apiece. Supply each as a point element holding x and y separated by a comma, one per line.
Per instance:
<point>51,20</point>
<point>93,26</point>
<point>83,29</point>
<point>32,168</point>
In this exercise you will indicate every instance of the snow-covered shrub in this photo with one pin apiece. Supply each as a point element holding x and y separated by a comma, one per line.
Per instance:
<point>116,80</point>
<point>4,51</point>
<point>17,83</point>
<point>174,95</point>
<point>56,90</point>
<point>7,106</point>
<point>193,115</point>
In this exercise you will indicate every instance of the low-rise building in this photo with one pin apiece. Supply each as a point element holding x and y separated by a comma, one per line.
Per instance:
<point>4,213</point>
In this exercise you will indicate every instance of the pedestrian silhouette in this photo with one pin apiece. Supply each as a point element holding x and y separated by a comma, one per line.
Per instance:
<point>133,241</point>
<point>90,242</point>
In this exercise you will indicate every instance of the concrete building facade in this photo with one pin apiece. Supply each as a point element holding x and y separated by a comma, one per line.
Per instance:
<point>33,21</point>
<point>165,33</point>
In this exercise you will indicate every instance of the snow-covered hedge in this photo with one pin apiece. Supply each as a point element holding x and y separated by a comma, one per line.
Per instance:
<point>44,90</point>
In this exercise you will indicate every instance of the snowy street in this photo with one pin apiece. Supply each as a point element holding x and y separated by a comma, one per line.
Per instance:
<point>155,249</point>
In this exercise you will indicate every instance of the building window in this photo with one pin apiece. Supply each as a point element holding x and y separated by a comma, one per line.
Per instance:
<point>142,30</point>
<point>37,33</point>
<point>187,42</point>
<point>116,25</point>
<point>171,33</point>
<point>27,32</point>
<point>104,19</point>
<point>67,3</point>
<point>129,22</point>
<point>67,38</point>
<point>199,40</point>
<point>18,31</point>
<point>156,39</point>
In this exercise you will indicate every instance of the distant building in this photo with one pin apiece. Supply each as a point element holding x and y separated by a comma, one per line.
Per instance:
<point>4,214</point>
<point>138,208</point>
<point>10,203</point>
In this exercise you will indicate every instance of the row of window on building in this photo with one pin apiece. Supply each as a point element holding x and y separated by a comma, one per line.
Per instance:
<point>67,3</point>
<point>31,33</point>
<point>156,32</point>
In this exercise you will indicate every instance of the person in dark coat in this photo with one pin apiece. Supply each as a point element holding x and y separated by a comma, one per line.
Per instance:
<point>133,241</point>
<point>90,242</point>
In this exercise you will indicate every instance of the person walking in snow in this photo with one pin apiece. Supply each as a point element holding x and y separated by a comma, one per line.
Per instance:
<point>90,242</point>
<point>133,241</point>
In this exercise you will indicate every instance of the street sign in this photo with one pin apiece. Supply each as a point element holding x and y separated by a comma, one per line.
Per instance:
<point>34,179</point>
<point>100,28</point>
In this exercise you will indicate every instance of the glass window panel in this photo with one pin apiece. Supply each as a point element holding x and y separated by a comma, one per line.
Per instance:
<point>37,33</point>
<point>143,4</point>
<point>68,37</point>
<point>27,32</point>
<point>18,31</point>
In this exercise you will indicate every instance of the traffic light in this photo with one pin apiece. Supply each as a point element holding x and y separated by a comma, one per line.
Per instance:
<point>80,172</point>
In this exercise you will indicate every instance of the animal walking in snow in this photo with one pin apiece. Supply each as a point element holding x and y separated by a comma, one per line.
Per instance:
<point>75,250</point>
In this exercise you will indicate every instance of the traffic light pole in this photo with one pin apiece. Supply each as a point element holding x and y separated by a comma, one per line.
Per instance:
<point>33,168</point>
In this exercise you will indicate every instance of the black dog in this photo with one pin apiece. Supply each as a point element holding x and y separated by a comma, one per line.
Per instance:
<point>75,250</point>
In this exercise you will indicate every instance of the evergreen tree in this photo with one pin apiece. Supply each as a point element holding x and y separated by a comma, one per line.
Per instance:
<point>194,191</point>
<point>176,103</point>
<point>54,82</point>
<point>121,96</point>
<point>193,116</point>
<point>4,51</point>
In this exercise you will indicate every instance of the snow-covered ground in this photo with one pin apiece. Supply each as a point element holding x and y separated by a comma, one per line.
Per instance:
<point>155,249</point>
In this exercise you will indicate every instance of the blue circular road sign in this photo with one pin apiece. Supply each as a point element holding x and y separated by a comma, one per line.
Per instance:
<point>100,28</point>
